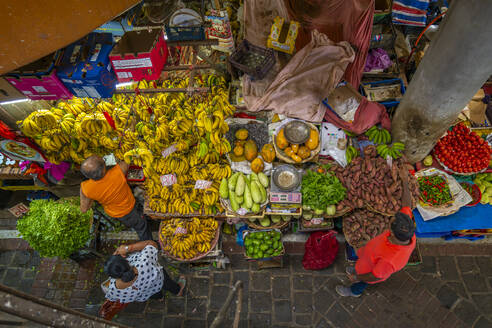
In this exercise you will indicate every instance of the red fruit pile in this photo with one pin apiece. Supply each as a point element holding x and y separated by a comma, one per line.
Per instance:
<point>463,151</point>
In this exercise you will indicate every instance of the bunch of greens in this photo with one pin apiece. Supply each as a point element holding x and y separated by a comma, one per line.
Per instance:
<point>55,228</point>
<point>320,190</point>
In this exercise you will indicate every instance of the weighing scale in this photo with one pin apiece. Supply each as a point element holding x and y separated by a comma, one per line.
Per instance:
<point>285,201</point>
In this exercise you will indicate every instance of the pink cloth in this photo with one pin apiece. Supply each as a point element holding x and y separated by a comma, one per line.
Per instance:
<point>57,171</point>
<point>368,114</point>
<point>310,76</point>
<point>341,20</point>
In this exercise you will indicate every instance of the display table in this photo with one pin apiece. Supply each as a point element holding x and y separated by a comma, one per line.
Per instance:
<point>477,217</point>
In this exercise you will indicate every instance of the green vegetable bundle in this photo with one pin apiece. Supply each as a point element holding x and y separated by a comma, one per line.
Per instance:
<point>55,228</point>
<point>320,190</point>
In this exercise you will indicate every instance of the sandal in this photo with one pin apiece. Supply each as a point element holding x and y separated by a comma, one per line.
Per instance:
<point>182,284</point>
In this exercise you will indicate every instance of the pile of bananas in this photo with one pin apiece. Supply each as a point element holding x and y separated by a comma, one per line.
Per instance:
<point>187,238</point>
<point>72,130</point>
<point>378,135</point>
<point>190,131</point>
<point>394,150</point>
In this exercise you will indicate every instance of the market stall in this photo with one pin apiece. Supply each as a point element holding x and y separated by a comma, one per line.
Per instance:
<point>228,128</point>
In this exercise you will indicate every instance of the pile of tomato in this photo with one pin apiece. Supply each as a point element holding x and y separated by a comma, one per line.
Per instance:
<point>463,151</point>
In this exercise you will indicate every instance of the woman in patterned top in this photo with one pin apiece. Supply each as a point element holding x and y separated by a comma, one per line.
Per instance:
<point>139,276</point>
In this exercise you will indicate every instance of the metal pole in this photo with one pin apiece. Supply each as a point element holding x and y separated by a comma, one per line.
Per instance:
<point>456,65</point>
<point>50,314</point>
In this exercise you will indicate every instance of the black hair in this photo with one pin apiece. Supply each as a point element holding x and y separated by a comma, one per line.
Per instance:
<point>118,267</point>
<point>403,227</point>
<point>94,170</point>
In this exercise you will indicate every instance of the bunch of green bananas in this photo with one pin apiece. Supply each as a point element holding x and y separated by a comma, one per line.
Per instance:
<point>378,135</point>
<point>393,150</point>
<point>351,153</point>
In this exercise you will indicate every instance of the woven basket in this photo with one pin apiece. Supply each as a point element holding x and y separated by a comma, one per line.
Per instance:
<point>197,257</point>
<point>350,242</point>
<point>339,214</point>
<point>282,156</point>
<point>372,209</point>
<point>226,204</point>
<point>280,225</point>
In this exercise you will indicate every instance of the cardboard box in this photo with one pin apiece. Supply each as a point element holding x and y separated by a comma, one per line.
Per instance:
<point>85,68</point>
<point>38,80</point>
<point>8,92</point>
<point>139,55</point>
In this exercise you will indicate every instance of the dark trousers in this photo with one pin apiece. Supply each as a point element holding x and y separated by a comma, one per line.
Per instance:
<point>169,285</point>
<point>136,220</point>
<point>358,287</point>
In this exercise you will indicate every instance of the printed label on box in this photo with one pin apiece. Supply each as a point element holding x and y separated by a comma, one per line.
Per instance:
<point>95,52</point>
<point>203,184</point>
<point>317,221</point>
<point>39,89</point>
<point>27,92</point>
<point>75,54</point>
<point>80,93</point>
<point>132,63</point>
<point>168,179</point>
<point>122,75</point>
<point>92,92</point>
<point>67,80</point>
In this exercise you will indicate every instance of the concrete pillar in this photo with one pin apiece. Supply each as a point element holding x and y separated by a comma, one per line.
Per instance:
<point>455,66</point>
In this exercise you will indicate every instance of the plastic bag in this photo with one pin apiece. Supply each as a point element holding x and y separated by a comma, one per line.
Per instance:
<point>109,309</point>
<point>321,249</point>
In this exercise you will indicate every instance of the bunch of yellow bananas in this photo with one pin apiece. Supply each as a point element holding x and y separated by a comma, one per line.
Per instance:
<point>185,239</point>
<point>72,130</point>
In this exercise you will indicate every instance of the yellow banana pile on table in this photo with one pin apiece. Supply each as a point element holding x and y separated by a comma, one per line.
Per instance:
<point>188,238</point>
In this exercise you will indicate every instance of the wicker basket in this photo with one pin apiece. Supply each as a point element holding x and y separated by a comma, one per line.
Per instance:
<point>339,214</point>
<point>372,209</point>
<point>226,204</point>
<point>253,225</point>
<point>197,257</point>
<point>283,157</point>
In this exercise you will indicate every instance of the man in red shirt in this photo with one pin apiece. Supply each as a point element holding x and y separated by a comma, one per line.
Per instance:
<point>385,254</point>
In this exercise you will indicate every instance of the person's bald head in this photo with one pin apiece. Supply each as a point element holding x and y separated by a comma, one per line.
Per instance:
<point>93,168</point>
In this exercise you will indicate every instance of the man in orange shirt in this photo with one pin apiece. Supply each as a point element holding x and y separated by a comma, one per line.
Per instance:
<point>110,189</point>
<point>385,254</point>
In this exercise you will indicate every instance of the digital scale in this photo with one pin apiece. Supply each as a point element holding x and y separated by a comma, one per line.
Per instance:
<point>284,201</point>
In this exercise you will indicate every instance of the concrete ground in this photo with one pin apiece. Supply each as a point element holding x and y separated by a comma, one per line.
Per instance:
<point>451,288</point>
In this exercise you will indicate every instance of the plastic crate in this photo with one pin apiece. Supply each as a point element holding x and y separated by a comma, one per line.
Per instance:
<point>383,34</point>
<point>252,60</point>
<point>185,33</point>
<point>388,103</point>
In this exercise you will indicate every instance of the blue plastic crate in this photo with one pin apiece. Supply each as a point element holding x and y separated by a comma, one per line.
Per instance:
<point>40,194</point>
<point>85,68</point>
<point>390,103</point>
<point>185,33</point>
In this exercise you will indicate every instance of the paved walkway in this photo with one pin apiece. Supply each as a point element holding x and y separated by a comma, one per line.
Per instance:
<point>445,291</point>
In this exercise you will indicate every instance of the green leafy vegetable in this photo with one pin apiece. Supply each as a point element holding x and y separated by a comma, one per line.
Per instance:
<point>319,190</point>
<point>55,228</point>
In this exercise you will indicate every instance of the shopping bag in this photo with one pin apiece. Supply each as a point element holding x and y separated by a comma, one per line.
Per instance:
<point>321,249</point>
<point>109,309</point>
